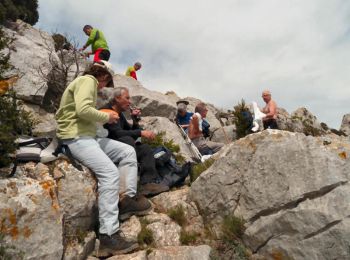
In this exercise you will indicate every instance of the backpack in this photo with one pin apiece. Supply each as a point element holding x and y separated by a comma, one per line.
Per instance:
<point>173,174</point>
<point>205,128</point>
<point>33,149</point>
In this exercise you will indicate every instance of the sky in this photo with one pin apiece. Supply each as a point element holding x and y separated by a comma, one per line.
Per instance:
<point>224,51</point>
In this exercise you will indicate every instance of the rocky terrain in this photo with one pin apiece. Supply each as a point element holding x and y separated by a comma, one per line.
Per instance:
<point>290,187</point>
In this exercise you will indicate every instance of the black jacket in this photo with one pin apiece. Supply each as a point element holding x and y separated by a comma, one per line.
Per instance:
<point>122,128</point>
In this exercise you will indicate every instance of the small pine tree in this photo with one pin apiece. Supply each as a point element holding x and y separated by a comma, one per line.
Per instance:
<point>14,121</point>
<point>241,120</point>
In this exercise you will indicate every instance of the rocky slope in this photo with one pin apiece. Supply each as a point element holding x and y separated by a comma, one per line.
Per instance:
<point>292,189</point>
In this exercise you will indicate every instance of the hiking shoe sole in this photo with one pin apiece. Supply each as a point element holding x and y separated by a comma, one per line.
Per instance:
<point>128,215</point>
<point>107,252</point>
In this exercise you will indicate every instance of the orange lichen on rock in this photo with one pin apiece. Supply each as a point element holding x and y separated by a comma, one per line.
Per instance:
<point>343,155</point>
<point>26,231</point>
<point>49,188</point>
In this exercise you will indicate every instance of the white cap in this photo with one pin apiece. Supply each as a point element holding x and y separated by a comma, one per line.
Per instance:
<point>107,66</point>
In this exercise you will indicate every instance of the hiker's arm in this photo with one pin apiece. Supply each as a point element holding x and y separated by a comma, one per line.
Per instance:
<point>93,37</point>
<point>116,130</point>
<point>272,110</point>
<point>84,107</point>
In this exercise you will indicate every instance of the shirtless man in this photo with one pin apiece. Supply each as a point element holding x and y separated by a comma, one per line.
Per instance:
<point>270,110</point>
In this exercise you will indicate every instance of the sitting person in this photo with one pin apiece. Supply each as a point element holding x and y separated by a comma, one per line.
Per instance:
<point>195,132</point>
<point>76,129</point>
<point>270,110</point>
<point>124,132</point>
<point>183,117</point>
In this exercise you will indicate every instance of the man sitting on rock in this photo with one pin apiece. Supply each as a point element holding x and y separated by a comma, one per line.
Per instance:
<point>183,117</point>
<point>195,132</point>
<point>130,134</point>
<point>270,110</point>
<point>131,71</point>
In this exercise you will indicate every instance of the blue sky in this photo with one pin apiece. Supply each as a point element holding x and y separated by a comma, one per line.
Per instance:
<point>223,51</point>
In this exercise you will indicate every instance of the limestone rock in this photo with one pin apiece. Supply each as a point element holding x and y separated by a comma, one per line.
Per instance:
<point>80,250</point>
<point>78,198</point>
<point>345,124</point>
<point>131,228</point>
<point>32,59</point>
<point>172,132</point>
<point>165,231</point>
<point>31,219</point>
<point>288,187</point>
<point>46,123</point>
<point>219,134</point>
<point>140,255</point>
<point>169,200</point>
<point>181,253</point>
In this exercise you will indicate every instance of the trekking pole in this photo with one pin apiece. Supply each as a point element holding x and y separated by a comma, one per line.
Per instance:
<point>194,150</point>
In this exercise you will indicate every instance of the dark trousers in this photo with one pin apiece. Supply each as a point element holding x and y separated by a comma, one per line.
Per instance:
<point>148,171</point>
<point>271,123</point>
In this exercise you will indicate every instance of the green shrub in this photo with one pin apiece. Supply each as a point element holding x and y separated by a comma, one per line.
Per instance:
<point>145,237</point>
<point>178,215</point>
<point>232,228</point>
<point>160,140</point>
<point>187,238</point>
<point>242,126</point>
<point>14,121</point>
<point>26,10</point>
<point>199,168</point>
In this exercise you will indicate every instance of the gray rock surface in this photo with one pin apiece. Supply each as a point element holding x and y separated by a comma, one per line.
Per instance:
<point>165,231</point>
<point>345,124</point>
<point>32,57</point>
<point>181,253</point>
<point>77,196</point>
<point>172,132</point>
<point>288,187</point>
<point>31,218</point>
<point>80,250</point>
<point>224,134</point>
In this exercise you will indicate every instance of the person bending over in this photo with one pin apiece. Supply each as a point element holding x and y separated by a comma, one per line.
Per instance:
<point>98,43</point>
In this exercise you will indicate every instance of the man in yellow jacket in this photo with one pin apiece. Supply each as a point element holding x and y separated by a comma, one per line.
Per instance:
<point>131,71</point>
<point>98,43</point>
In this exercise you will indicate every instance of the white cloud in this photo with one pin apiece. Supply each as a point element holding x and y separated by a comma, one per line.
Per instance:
<point>223,51</point>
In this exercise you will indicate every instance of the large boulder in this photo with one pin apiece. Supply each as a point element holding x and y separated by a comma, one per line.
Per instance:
<point>172,132</point>
<point>31,218</point>
<point>345,124</point>
<point>32,55</point>
<point>292,190</point>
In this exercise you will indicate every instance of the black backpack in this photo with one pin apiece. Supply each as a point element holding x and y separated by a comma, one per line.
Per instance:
<point>173,174</point>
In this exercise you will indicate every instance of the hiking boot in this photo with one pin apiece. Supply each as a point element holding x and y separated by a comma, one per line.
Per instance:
<point>151,189</point>
<point>137,205</point>
<point>115,244</point>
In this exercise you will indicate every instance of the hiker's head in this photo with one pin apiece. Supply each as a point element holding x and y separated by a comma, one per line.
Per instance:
<point>137,65</point>
<point>181,109</point>
<point>103,72</point>
<point>87,29</point>
<point>201,108</point>
<point>121,99</point>
<point>266,95</point>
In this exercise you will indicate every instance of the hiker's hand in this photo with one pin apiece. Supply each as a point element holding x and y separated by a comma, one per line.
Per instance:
<point>148,134</point>
<point>113,117</point>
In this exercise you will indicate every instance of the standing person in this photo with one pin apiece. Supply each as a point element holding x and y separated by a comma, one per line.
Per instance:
<point>76,121</point>
<point>195,132</point>
<point>131,71</point>
<point>98,44</point>
<point>124,132</point>
<point>270,110</point>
